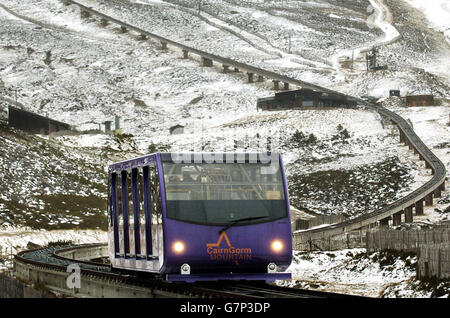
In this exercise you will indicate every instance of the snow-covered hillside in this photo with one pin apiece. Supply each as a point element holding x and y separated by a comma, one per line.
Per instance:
<point>437,14</point>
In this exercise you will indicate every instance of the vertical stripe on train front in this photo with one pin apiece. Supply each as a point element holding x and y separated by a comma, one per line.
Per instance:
<point>147,210</point>
<point>126,232</point>
<point>136,211</point>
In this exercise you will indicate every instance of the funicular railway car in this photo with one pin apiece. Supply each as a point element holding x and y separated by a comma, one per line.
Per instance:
<point>200,217</point>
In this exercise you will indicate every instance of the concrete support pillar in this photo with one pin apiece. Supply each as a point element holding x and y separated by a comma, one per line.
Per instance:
<point>443,186</point>
<point>226,68</point>
<point>104,22</point>
<point>236,70</point>
<point>397,219</point>
<point>429,199</point>
<point>437,192</point>
<point>419,207</point>
<point>207,62</point>
<point>402,137</point>
<point>385,222</point>
<point>427,165</point>
<point>276,85</point>
<point>286,86</point>
<point>123,29</point>
<point>250,77</point>
<point>408,215</point>
<point>185,54</point>
<point>415,151</point>
<point>163,45</point>
<point>260,78</point>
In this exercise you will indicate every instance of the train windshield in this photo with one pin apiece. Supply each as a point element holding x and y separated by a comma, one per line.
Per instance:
<point>219,193</point>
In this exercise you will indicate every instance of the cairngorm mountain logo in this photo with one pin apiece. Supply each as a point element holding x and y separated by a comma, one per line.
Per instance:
<point>227,252</point>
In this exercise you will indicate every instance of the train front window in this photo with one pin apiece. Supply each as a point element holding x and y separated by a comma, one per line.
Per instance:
<point>219,193</point>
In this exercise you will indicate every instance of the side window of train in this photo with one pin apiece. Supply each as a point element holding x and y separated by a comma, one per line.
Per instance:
<point>155,193</point>
<point>130,199</point>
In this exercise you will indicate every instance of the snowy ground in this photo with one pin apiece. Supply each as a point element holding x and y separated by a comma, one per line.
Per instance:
<point>353,271</point>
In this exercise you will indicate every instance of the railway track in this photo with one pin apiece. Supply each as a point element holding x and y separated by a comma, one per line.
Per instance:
<point>48,266</point>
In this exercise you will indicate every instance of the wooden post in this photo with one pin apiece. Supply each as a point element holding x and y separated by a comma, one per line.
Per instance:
<point>439,263</point>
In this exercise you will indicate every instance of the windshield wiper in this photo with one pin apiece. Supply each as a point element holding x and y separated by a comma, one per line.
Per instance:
<point>234,222</point>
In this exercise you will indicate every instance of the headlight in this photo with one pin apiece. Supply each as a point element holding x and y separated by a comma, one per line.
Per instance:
<point>277,246</point>
<point>178,247</point>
